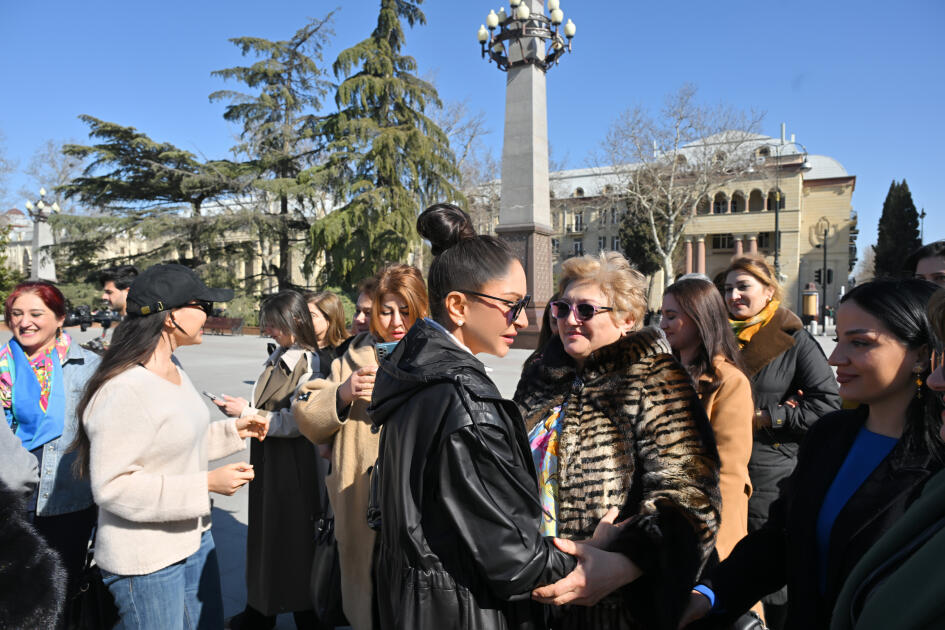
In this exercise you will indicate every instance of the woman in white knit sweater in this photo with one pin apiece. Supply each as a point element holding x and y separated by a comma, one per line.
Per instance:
<point>147,440</point>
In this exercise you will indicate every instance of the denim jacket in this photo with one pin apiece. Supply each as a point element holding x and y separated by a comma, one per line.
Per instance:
<point>60,492</point>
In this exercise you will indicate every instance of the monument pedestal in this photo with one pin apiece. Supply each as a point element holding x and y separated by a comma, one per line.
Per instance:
<point>531,243</point>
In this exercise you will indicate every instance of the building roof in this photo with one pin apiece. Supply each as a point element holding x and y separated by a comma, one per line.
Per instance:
<point>823,167</point>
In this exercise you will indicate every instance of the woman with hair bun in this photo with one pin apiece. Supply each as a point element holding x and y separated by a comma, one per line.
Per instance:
<point>333,411</point>
<point>460,545</point>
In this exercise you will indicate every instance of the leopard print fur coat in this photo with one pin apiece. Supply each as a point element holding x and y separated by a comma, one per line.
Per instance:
<point>634,436</point>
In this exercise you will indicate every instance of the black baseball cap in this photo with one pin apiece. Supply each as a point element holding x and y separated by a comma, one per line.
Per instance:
<point>163,287</point>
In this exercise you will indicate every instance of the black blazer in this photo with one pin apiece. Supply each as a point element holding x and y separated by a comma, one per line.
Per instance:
<point>784,551</point>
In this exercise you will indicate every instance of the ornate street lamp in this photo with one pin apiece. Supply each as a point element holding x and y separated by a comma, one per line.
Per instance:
<point>526,43</point>
<point>39,213</point>
<point>509,47</point>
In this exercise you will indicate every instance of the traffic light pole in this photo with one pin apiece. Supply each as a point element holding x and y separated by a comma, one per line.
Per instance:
<point>823,284</point>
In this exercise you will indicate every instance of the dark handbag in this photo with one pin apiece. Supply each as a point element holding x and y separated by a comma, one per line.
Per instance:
<point>325,582</point>
<point>749,621</point>
<point>93,606</point>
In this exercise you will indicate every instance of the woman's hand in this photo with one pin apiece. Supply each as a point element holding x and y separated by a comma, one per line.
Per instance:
<point>253,427</point>
<point>232,407</point>
<point>598,573</point>
<point>607,531</point>
<point>359,386</point>
<point>230,478</point>
<point>697,608</point>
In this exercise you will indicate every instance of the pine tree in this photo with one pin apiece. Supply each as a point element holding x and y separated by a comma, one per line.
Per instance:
<point>281,128</point>
<point>898,231</point>
<point>388,158</point>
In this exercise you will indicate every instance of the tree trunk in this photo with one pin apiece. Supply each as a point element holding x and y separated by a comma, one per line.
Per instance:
<point>282,273</point>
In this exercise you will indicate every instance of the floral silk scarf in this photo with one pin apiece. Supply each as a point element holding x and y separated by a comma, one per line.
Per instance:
<point>543,440</point>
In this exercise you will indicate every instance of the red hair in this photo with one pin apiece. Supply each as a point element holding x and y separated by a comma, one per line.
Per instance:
<point>48,293</point>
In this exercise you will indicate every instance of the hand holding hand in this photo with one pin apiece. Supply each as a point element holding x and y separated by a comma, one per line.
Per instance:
<point>697,608</point>
<point>598,573</point>
<point>607,531</point>
<point>359,386</point>
<point>253,427</point>
<point>232,407</point>
<point>229,478</point>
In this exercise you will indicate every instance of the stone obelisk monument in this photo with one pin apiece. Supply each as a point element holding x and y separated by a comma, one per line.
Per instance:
<point>525,208</point>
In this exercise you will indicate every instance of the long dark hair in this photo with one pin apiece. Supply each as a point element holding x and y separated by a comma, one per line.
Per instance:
<point>133,342</point>
<point>900,305</point>
<point>287,312</point>
<point>462,259</point>
<point>701,302</point>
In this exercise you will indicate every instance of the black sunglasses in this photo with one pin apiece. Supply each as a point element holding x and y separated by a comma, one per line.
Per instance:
<point>517,306</point>
<point>206,307</point>
<point>583,311</point>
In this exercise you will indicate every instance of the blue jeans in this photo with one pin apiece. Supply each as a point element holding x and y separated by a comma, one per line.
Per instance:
<point>186,595</point>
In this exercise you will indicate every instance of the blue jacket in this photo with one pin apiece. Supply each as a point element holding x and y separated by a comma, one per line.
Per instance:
<point>60,492</point>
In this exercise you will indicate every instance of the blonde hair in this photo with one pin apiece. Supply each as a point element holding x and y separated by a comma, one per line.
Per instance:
<point>757,267</point>
<point>334,311</point>
<point>623,285</point>
<point>405,281</point>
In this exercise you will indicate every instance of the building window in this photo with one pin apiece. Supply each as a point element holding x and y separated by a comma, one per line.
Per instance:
<point>602,217</point>
<point>765,239</point>
<point>578,192</point>
<point>723,241</point>
<point>579,247</point>
<point>601,243</point>
<point>615,243</point>
<point>578,221</point>
<point>555,246</point>
<point>555,219</point>
<point>720,204</point>
<point>613,216</point>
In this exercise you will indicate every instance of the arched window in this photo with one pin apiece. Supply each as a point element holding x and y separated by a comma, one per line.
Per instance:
<point>702,207</point>
<point>579,192</point>
<point>756,201</point>
<point>775,194</point>
<point>738,202</point>
<point>720,203</point>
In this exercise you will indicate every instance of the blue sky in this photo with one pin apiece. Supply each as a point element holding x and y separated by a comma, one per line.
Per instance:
<point>863,82</point>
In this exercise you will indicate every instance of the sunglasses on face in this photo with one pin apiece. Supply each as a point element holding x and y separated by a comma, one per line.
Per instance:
<point>206,307</point>
<point>583,311</point>
<point>517,306</point>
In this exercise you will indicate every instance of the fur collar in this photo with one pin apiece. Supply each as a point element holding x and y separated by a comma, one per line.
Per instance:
<point>774,338</point>
<point>550,374</point>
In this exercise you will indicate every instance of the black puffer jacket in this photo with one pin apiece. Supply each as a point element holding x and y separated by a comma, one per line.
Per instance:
<point>459,546</point>
<point>781,359</point>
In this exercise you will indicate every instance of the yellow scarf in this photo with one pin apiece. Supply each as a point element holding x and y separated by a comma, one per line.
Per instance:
<point>745,329</point>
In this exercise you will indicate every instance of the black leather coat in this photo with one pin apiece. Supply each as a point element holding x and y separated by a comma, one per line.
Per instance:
<point>459,545</point>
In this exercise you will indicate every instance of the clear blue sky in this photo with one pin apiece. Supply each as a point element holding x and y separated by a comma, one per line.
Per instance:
<point>863,82</point>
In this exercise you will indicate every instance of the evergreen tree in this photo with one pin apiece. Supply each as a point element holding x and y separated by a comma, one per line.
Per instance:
<point>281,129</point>
<point>387,156</point>
<point>138,183</point>
<point>898,231</point>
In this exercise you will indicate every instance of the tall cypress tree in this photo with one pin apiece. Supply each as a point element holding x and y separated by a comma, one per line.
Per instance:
<point>387,156</point>
<point>281,128</point>
<point>898,230</point>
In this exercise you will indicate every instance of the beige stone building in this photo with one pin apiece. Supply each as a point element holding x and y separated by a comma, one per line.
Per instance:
<point>739,216</point>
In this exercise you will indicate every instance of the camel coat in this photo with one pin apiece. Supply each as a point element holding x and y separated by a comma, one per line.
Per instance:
<point>730,409</point>
<point>353,453</point>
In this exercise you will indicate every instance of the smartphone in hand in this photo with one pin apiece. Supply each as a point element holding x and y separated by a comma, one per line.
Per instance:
<point>213,397</point>
<point>383,350</point>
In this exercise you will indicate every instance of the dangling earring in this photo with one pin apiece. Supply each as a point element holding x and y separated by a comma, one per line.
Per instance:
<point>918,384</point>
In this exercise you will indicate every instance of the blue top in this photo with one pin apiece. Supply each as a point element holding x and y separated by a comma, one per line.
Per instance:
<point>868,450</point>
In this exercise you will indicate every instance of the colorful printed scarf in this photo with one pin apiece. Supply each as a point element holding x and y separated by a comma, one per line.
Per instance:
<point>745,329</point>
<point>32,392</point>
<point>543,440</point>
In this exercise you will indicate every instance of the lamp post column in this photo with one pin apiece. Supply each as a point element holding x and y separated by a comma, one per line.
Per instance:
<point>525,206</point>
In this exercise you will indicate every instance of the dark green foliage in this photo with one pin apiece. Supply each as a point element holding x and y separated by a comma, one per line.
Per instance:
<point>898,231</point>
<point>281,131</point>
<point>637,242</point>
<point>387,157</point>
<point>9,277</point>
